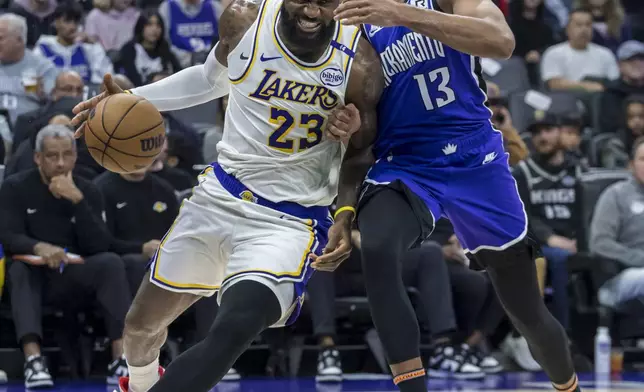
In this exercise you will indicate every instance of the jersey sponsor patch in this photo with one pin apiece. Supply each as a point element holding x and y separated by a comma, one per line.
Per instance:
<point>332,77</point>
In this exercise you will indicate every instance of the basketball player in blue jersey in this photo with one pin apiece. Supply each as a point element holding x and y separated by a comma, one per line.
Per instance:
<point>437,154</point>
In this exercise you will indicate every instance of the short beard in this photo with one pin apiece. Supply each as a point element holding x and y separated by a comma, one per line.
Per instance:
<point>304,43</point>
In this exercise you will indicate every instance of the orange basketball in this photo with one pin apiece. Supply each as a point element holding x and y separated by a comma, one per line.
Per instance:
<point>124,133</point>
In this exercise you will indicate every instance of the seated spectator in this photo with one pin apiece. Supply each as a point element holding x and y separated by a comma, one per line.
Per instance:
<point>610,26</point>
<point>48,212</point>
<point>112,26</point>
<point>148,52</point>
<point>572,127</point>
<point>532,34</point>
<point>179,179</point>
<point>139,210</point>
<point>568,65</point>
<point>191,26</point>
<point>502,120</point>
<point>617,232</point>
<point>68,91</point>
<point>615,154</point>
<point>21,70</point>
<point>39,15</point>
<point>630,82</point>
<point>546,183</point>
<point>68,51</point>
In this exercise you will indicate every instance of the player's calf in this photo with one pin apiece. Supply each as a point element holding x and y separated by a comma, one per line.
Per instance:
<point>513,274</point>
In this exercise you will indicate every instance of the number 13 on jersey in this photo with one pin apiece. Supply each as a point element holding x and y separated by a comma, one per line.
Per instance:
<point>438,76</point>
<point>285,122</point>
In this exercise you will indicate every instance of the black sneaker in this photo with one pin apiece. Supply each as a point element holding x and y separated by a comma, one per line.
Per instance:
<point>36,373</point>
<point>486,362</point>
<point>329,366</point>
<point>115,370</point>
<point>452,362</point>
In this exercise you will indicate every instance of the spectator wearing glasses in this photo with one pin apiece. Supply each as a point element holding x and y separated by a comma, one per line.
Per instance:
<point>50,213</point>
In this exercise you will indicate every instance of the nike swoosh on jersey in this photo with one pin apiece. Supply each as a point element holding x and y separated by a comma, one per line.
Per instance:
<point>243,57</point>
<point>263,59</point>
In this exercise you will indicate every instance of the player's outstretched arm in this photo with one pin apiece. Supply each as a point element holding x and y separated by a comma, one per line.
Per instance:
<point>476,27</point>
<point>194,85</point>
<point>365,88</point>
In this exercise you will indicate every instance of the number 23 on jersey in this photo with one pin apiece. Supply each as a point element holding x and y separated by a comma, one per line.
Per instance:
<point>285,123</point>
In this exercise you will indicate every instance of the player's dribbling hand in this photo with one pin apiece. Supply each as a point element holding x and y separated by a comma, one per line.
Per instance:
<point>343,122</point>
<point>381,13</point>
<point>337,249</point>
<point>82,110</point>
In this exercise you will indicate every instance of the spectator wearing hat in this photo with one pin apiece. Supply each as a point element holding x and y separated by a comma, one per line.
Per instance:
<point>578,64</point>
<point>616,232</point>
<point>615,153</point>
<point>546,183</point>
<point>631,82</point>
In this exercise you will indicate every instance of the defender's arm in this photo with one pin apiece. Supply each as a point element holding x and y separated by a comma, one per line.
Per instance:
<point>476,27</point>
<point>203,83</point>
<point>365,88</point>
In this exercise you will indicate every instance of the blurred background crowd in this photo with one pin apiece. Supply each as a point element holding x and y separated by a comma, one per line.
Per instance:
<point>570,104</point>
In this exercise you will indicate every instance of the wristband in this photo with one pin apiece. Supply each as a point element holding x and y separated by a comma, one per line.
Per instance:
<point>345,208</point>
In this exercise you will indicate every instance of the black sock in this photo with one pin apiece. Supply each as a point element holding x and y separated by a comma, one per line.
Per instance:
<point>413,381</point>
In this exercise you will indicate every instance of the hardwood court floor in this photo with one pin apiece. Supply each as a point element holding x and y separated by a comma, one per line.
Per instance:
<point>512,382</point>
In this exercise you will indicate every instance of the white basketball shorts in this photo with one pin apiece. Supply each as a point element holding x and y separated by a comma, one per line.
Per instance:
<point>225,233</point>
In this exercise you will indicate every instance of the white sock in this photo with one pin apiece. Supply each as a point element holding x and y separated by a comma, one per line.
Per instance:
<point>144,377</point>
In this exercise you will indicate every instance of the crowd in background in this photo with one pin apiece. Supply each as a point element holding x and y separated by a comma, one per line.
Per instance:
<point>570,101</point>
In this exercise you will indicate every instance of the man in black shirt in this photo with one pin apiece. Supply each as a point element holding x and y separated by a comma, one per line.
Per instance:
<point>546,182</point>
<point>139,210</point>
<point>49,213</point>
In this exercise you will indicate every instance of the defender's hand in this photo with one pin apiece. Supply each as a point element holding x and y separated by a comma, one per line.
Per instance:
<point>337,249</point>
<point>375,12</point>
<point>82,109</point>
<point>343,122</point>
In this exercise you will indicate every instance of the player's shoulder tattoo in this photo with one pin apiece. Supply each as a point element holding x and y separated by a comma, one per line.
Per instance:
<point>236,19</point>
<point>368,71</point>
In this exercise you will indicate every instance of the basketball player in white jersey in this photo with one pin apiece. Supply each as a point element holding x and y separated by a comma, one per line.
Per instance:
<point>259,216</point>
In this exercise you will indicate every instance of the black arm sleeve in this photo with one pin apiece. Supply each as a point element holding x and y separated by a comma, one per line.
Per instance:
<point>91,231</point>
<point>13,231</point>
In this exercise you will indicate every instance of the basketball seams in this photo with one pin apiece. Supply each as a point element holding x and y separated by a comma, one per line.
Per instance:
<point>140,133</point>
<point>104,129</point>
<point>117,125</point>
<point>116,162</point>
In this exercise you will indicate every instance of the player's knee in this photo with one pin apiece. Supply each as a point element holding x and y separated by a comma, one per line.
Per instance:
<point>137,326</point>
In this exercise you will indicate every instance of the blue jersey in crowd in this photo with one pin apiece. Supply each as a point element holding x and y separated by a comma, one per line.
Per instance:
<point>77,62</point>
<point>193,34</point>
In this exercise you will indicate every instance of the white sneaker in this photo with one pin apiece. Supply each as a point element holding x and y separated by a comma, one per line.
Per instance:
<point>449,361</point>
<point>329,366</point>
<point>3,377</point>
<point>518,350</point>
<point>232,375</point>
<point>36,373</point>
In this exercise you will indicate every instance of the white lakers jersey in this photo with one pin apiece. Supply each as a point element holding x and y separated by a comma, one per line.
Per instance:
<point>273,138</point>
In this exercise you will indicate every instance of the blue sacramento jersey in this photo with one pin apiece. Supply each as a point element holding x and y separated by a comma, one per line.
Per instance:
<point>436,140</point>
<point>432,93</point>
